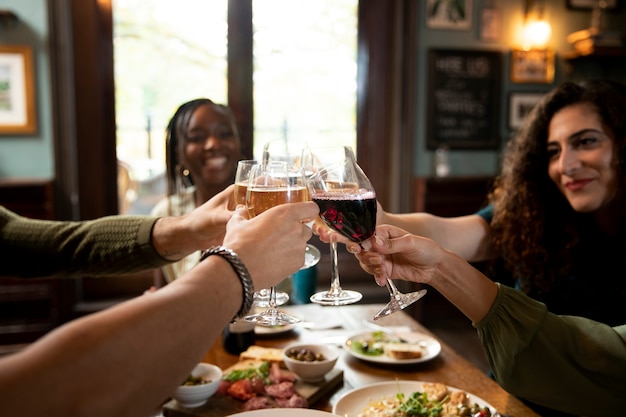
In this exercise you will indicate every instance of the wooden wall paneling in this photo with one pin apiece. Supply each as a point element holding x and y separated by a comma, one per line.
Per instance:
<point>28,308</point>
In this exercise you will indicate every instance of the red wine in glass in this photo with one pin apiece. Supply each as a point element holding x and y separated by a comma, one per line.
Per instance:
<point>354,218</point>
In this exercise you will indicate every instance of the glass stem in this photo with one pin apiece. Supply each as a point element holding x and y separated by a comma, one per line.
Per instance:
<point>393,291</point>
<point>335,286</point>
<point>272,300</point>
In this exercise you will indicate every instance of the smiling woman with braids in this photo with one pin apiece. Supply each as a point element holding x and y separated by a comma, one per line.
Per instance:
<point>202,150</point>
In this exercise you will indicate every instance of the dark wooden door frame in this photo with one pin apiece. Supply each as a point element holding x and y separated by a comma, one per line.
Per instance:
<point>386,97</point>
<point>81,47</point>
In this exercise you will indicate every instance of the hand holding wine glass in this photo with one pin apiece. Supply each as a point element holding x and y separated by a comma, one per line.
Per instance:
<point>242,177</point>
<point>279,150</point>
<point>271,184</point>
<point>347,202</point>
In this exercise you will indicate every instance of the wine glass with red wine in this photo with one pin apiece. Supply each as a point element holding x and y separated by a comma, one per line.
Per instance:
<point>347,202</point>
<point>336,189</point>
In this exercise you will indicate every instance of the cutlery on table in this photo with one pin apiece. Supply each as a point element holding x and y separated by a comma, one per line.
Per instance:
<point>386,330</point>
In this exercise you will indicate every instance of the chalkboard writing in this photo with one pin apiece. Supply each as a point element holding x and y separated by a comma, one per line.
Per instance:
<point>463,99</point>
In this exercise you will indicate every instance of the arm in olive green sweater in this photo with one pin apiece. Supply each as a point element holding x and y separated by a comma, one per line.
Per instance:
<point>109,245</point>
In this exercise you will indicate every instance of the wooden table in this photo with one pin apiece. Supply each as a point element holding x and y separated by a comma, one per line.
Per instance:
<point>449,367</point>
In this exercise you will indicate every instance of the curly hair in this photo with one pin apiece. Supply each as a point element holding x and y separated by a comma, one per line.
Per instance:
<point>534,228</point>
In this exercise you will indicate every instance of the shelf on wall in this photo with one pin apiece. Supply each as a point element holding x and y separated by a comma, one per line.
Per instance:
<point>600,52</point>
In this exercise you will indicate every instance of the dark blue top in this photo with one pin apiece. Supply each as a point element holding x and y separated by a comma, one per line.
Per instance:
<point>597,290</point>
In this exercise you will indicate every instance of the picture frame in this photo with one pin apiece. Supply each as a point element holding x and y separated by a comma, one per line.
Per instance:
<point>455,16</point>
<point>490,24</point>
<point>520,104</point>
<point>532,66</point>
<point>590,4</point>
<point>17,90</point>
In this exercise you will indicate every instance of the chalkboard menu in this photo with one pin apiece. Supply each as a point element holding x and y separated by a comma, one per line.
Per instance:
<point>463,99</point>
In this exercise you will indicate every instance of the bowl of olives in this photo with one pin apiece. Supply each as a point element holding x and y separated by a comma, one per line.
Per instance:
<point>201,383</point>
<point>310,361</point>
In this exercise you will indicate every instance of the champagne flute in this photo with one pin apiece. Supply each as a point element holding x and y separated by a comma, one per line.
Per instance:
<point>328,186</point>
<point>278,150</point>
<point>242,177</point>
<point>271,184</point>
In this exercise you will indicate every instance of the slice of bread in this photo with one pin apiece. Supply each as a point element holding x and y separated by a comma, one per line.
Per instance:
<point>260,353</point>
<point>403,350</point>
<point>435,390</point>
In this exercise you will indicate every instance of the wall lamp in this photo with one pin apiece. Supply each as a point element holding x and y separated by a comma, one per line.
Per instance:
<point>531,60</point>
<point>536,30</point>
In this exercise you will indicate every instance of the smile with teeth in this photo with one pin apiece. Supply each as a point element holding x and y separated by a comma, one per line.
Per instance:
<point>217,162</point>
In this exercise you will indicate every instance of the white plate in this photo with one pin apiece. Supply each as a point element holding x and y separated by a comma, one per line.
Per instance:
<point>431,348</point>
<point>354,402</point>
<point>286,412</point>
<point>265,330</point>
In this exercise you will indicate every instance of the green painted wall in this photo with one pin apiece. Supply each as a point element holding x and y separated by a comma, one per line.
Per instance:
<point>30,156</point>
<point>563,20</point>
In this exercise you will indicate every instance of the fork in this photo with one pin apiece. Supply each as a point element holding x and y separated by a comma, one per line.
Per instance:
<point>385,330</point>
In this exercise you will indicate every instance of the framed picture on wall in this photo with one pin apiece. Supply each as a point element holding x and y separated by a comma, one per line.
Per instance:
<point>17,90</point>
<point>533,66</point>
<point>520,104</point>
<point>446,14</point>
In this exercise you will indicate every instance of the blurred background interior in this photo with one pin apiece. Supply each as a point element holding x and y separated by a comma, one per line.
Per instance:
<point>380,75</point>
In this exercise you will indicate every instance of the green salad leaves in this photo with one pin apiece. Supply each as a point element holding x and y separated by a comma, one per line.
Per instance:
<point>418,405</point>
<point>263,372</point>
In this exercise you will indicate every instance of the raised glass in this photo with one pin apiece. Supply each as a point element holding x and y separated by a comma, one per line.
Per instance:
<point>269,185</point>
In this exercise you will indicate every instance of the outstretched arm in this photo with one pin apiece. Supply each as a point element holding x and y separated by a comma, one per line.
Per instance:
<point>126,360</point>
<point>468,236</point>
<point>176,237</point>
<point>398,254</point>
<point>568,363</point>
<point>108,245</point>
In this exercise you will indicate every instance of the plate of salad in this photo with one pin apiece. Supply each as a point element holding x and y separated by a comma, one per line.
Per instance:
<point>400,348</point>
<point>411,398</point>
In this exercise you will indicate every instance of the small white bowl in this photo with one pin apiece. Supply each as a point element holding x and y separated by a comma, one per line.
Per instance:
<point>191,396</point>
<point>311,371</point>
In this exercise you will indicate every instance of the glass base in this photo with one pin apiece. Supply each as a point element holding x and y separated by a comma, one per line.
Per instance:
<point>312,256</point>
<point>399,302</point>
<point>343,297</point>
<point>272,317</point>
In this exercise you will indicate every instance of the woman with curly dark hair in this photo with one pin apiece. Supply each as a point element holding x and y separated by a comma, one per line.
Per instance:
<point>555,224</point>
<point>559,212</point>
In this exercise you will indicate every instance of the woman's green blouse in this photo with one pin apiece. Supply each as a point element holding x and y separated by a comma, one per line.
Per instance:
<point>105,246</point>
<point>568,363</point>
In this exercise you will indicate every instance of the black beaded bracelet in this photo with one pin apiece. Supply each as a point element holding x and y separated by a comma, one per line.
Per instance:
<point>242,273</point>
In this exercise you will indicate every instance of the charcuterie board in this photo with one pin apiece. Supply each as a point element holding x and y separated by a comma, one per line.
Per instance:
<point>223,405</point>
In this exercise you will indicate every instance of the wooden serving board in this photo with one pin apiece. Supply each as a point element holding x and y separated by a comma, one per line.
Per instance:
<point>224,405</point>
